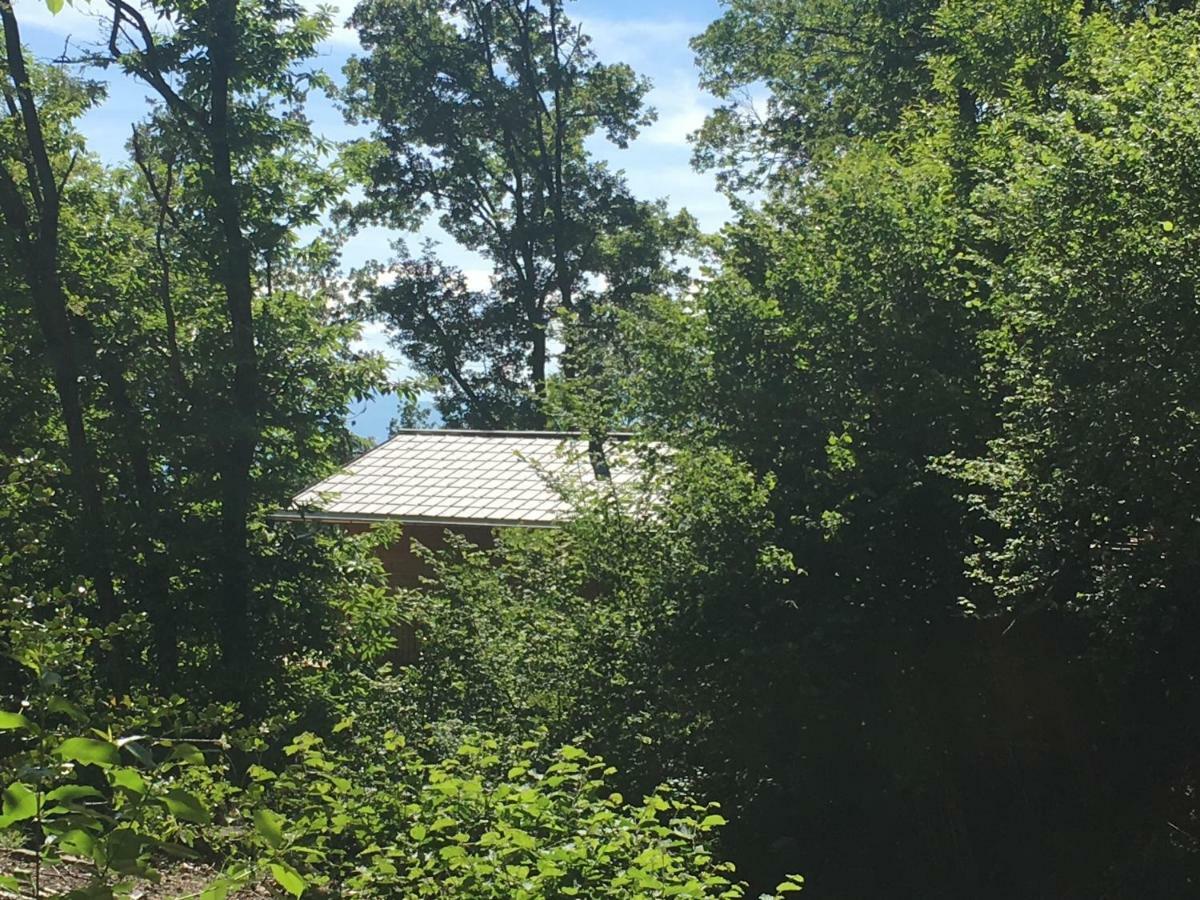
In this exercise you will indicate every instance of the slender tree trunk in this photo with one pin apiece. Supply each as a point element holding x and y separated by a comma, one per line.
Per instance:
<point>152,578</point>
<point>162,199</point>
<point>211,134</point>
<point>41,245</point>
<point>243,426</point>
<point>556,181</point>
<point>537,356</point>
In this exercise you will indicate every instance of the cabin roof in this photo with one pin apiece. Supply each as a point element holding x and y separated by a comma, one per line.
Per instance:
<point>454,477</point>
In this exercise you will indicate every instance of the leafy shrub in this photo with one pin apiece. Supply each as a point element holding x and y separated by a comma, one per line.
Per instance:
<point>491,821</point>
<point>616,626</point>
<point>114,800</point>
<point>118,807</point>
<point>362,811</point>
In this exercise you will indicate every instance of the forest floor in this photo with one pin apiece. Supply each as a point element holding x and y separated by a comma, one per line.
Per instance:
<point>180,880</point>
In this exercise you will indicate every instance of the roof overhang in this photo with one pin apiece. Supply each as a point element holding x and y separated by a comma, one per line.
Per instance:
<point>316,517</point>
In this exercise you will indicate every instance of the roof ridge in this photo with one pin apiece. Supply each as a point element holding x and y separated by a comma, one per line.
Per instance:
<point>498,432</point>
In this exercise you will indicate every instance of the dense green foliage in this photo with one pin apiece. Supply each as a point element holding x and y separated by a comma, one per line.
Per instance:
<point>950,345</point>
<point>362,812</point>
<point>149,329</point>
<point>905,583</point>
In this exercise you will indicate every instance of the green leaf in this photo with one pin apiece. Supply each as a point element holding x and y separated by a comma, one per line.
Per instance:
<point>77,842</point>
<point>793,885</point>
<point>55,6</point>
<point>713,821</point>
<point>127,778</point>
<point>70,792</point>
<point>122,850</point>
<point>9,883</point>
<point>270,826</point>
<point>185,806</point>
<point>90,752</point>
<point>66,707</point>
<point>288,879</point>
<point>14,722</point>
<point>19,802</point>
<point>186,753</point>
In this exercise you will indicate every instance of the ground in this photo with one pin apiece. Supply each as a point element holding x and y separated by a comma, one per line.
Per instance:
<point>179,880</point>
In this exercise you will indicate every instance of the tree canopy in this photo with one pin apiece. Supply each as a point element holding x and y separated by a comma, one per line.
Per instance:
<point>481,112</point>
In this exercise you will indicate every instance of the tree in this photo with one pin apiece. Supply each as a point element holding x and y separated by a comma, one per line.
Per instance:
<point>1093,349</point>
<point>833,71</point>
<point>31,200</point>
<point>481,111</point>
<point>801,82</point>
<point>223,73</point>
<point>139,268</point>
<point>984,265</point>
<point>834,356</point>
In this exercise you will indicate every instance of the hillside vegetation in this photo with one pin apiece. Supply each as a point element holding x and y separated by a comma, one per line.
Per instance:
<point>905,605</point>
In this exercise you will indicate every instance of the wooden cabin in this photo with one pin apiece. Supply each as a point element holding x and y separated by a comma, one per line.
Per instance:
<point>433,481</point>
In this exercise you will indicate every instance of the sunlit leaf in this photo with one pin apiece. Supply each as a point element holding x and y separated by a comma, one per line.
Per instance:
<point>10,721</point>
<point>270,826</point>
<point>288,879</point>
<point>19,802</point>
<point>71,792</point>
<point>185,806</point>
<point>89,751</point>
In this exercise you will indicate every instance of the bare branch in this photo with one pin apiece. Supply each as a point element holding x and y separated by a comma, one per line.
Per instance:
<point>152,74</point>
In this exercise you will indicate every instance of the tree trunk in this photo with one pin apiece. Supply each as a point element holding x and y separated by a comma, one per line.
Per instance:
<point>152,578</point>
<point>40,243</point>
<point>234,619</point>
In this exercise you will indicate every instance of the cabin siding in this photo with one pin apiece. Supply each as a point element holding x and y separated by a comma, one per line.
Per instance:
<point>405,568</point>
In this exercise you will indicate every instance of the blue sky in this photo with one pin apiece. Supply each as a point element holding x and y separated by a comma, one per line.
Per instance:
<point>650,36</point>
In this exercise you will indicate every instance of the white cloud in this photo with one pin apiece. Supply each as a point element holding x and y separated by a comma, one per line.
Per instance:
<point>681,110</point>
<point>373,338</point>
<point>682,186</point>
<point>638,42</point>
<point>343,39</point>
<point>81,19</point>
<point>478,279</point>
<point>660,50</point>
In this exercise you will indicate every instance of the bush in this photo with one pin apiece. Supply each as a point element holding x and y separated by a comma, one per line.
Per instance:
<point>361,812</point>
<point>491,821</point>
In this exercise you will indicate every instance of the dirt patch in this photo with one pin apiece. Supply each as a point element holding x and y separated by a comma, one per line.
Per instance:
<point>179,879</point>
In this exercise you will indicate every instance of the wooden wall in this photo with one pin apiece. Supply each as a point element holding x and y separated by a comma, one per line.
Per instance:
<point>405,568</point>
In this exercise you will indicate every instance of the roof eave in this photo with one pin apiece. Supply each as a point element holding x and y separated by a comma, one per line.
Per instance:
<point>318,517</point>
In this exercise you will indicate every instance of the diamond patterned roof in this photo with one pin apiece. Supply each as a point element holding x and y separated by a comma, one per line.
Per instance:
<point>467,477</point>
